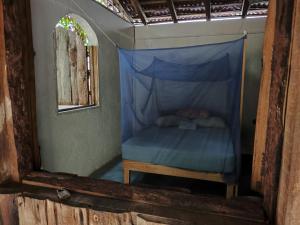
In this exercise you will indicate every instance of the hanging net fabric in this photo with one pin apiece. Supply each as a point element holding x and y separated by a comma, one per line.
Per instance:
<point>156,82</point>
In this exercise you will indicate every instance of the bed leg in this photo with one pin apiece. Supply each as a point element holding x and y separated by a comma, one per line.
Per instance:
<point>232,191</point>
<point>126,174</point>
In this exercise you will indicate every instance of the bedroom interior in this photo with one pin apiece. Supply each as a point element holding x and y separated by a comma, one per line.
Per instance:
<point>149,112</point>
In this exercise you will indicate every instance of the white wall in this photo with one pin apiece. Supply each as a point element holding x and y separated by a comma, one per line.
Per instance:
<point>82,141</point>
<point>188,34</point>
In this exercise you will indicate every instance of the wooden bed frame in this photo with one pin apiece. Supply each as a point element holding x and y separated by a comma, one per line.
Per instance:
<point>232,189</point>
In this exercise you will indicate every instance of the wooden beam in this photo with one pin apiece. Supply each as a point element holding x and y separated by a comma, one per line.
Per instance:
<point>8,152</point>
<point>137,6</point>
<point>288,207</point>
<point>8,209</point>
<point>173,11</point>
<point>263,101</point>
<point>277,101</point>
<point>124,8</point>
<point>21,86</point>
<point>237,208</point>
<point>207,4</point>
<point>245,8</point>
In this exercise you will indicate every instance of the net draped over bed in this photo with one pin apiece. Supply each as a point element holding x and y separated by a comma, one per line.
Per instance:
<point>157,81</point>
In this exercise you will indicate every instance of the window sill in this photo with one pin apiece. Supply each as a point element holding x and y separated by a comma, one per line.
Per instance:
<point>77,109</point>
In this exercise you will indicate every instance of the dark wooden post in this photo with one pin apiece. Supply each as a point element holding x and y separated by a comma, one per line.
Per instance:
<point>277,97</point>
<point>19,151</point>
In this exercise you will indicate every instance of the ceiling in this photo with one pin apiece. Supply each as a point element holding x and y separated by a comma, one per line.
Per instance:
<point>162,11</point>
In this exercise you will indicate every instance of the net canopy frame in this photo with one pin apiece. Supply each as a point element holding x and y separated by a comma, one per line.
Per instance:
<point>159,81</point>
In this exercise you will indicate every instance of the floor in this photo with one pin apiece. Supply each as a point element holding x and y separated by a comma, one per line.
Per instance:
<point>114,172</point>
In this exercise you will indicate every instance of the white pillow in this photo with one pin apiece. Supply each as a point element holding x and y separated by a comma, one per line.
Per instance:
<point>213,122</point>
<point>167,121</point>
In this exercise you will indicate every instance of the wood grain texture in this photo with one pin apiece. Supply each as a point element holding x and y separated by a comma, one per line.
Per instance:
<point>20,97</point>
<point>8,152</point>
<point>170,171</point>
<point>289,190</point>
<point>277,100</point>
<point>104,210</point>
<point>263,101</point>
<point>240,207</point>
<point>8,210</point>
<point>129,166</point>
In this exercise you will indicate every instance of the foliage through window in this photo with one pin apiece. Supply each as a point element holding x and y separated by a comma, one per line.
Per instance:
<point>76,49</point>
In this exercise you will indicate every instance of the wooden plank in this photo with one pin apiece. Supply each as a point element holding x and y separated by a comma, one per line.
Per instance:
<point>123,7</point>
<point>245,8</point>
<point>8,210</point>
<point>138,8</point>
<point>82,80</point>
<point>162,198</point>
<point>20,96</point>
<point>288,207</point>
<point>72,60</point>
<point>170,214</point>
<point>96,75</point>
<point>207,4</point>
<point>63,68</point>
<point>275,129</point>
<point>8,151</point>
<point>171,171</point>
<point>129,166</point>
<point>263,101</point>
<point>173,11</point>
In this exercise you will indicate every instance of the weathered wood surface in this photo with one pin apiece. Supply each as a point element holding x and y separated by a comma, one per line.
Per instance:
<point>42,202</point>
<point>19,151</point>
<point>63,67</point>
<point>82,79</point>
<point>263,101</point>
<point>71,68</point>
<point>8,210</point>
<point>288,210</point>
<point>277,96</point>
<point>8,151</point>
<point>131,166</point>
<point>240,208</point>
<point>95,92</point>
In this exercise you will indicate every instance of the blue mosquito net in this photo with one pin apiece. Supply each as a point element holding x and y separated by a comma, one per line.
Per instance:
<point>207,77</point>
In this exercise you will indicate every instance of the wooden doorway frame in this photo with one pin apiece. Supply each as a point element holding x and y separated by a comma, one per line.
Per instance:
<point>21,155</point>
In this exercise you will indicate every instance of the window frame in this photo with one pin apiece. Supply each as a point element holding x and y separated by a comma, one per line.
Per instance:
<point>95,77</point>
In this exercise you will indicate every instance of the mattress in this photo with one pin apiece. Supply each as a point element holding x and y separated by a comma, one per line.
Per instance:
<point>204,149</point>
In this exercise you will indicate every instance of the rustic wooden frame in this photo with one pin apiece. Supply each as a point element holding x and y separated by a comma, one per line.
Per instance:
<point>232,189</point>
<point>129,165</point>
<point>94,102</point>
<point>20,153</point>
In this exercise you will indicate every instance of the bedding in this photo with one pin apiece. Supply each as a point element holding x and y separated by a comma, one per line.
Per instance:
<point>168,121</point>
<point>215,122</point>
<point>204,149</point>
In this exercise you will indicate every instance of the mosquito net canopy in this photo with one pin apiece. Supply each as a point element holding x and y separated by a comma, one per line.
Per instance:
<point>155,81</point>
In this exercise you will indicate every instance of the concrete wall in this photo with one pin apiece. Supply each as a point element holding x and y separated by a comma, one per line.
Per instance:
<point>81,141</point>
<point>188,34</point>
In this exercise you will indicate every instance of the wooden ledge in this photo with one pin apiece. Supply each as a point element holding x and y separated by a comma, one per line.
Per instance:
<point>249,209</point>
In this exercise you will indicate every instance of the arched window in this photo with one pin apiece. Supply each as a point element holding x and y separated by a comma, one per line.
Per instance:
<point>76,50</point>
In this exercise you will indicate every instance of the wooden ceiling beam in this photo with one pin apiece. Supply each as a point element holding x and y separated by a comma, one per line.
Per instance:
<point>137,6</point>
<point>207,4</point>
<point>173,11</point>
<point>123,7</point>
<point>245,8</point>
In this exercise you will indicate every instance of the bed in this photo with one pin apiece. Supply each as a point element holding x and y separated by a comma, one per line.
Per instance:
<point>204,149</point>
<point>204,153</point>
<point>157,82</point>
